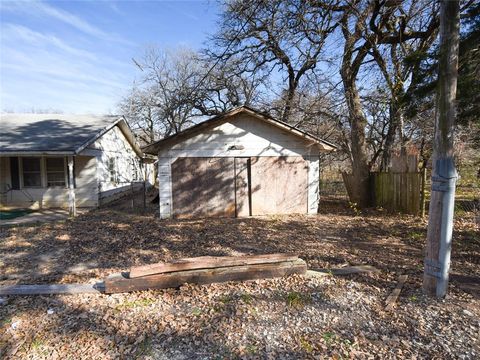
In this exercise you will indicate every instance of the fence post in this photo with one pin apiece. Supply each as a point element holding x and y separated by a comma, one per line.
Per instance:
<point>423,192</point>
<point>133,194</point>
<point>144,196</point>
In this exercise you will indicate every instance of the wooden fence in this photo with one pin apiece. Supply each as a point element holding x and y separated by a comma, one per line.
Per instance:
<point>397,192</point>
<point>393,191</point>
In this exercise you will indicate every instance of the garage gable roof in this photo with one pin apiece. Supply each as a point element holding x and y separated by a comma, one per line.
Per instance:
<point>155,147</point>
<point>57,133</point>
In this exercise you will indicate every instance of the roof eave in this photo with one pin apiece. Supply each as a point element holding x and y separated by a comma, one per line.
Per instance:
<point>97,136</point>
<point>323,145</point>
<point>124,127</point>
<point>36,152</point>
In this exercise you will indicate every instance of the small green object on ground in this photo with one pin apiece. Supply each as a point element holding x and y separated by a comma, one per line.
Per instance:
<point>12,214</point>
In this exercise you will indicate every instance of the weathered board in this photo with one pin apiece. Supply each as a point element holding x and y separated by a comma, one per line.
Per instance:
<point>395,192</point>
<point>358,269</point>
<point>228,187</point>
<point>51,289</point>
<point>208,262</point>
<point>392,298</point>
<point>279,185</point>
<point>404,163</point>
<point>121,283</point>
<point>398,192</point>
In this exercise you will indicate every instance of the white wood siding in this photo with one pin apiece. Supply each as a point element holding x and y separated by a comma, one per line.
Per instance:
<point>113,144</point>
<point>256,137</point>
<point>86,191</point>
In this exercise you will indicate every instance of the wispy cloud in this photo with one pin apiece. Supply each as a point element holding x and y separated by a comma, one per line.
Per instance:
<point>40,8</point>
<point>34,38</point>
<point>75,55</point>
<point>182,12</point>
<point>113,6</point>
<point>47,68</point>
<point>45,79</point>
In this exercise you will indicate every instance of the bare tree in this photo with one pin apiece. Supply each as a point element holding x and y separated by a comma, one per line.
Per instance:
<point>160,102</point>
<point>223,87</point>
<point>399,61</point>
<point>139,109</point>
<point>176,88</point>
<point>365,25</point>
<point>274,35</point>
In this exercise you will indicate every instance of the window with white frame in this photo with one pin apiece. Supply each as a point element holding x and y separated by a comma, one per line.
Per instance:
<point>135,170</point>
<point>32,171</point>
<point>112,169</point>
<point>55,168</point>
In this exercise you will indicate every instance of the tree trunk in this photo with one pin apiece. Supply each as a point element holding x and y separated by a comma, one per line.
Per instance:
<point>358,122</point>
<point>360,168</point>
<point>390,138</point>
<point>396,125</point>
<point>287,109</point>
<point>403,145</point>
<point>440,224</point>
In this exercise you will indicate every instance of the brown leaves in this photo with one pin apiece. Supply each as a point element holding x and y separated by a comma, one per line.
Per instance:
<point>335,317</point>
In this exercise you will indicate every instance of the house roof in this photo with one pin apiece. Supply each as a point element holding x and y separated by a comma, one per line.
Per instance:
<point>154,147</point>
<point>56,133</point>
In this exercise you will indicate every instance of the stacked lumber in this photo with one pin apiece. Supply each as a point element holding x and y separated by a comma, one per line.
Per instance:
<point>204,270</point>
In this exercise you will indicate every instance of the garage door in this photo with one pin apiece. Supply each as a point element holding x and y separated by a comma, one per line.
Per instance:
<point>203,187</point>
<point>279,185</point>
<point>228,187</point>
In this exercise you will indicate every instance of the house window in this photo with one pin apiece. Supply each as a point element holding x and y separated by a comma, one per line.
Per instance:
<point>32,174</point>
<point>135,172</point>
<point>112,169</point>
<point>55,172</point>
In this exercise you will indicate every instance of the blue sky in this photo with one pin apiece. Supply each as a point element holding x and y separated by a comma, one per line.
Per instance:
<point>75,56</point>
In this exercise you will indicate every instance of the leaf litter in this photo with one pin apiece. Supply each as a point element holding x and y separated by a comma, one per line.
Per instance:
<point>287,318</point>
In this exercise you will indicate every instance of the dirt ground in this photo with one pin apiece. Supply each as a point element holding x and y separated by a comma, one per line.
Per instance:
<point>293,317</point>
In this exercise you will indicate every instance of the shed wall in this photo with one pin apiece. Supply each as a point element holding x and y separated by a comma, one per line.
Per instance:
<point>243,136</point>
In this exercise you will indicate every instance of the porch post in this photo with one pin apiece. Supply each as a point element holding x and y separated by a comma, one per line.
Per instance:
<point>313,191</point>
<point>165,187</point>
<point>71,188</point>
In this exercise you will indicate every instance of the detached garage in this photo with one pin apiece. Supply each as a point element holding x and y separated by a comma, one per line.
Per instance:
<point>240,163</point>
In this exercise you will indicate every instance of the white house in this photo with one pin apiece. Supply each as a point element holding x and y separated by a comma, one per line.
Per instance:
<point>241,163</point>
<point>52,160</point>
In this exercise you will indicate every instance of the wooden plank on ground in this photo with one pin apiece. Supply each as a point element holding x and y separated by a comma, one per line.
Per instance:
<point>392,298</point>
<point>354,270</point>
<point>51,289</point>
<point>207,262</point>
<point>121,283</point>
<point>341,271</point>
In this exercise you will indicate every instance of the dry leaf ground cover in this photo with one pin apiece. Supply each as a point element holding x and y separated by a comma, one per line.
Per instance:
<point>293,317</point>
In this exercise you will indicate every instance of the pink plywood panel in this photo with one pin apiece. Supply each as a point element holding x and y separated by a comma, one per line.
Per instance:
<point>279,185</point>
<point>203,187</point>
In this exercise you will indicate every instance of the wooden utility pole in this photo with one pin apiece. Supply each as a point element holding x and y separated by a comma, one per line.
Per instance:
<point>440,223</point>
